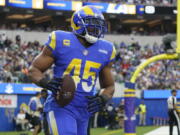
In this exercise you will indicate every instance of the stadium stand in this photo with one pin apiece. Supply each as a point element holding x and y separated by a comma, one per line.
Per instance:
<point>143,30</point>
<point>145,2</point>
<point>17,56</point>
<point>130,56</point>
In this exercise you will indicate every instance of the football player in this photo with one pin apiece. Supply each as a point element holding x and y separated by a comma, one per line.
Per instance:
<point>83,55</point>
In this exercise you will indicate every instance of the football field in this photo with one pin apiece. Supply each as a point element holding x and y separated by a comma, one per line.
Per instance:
<point>95,131</point>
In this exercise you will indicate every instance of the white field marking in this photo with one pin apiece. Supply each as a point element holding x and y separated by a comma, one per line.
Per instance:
<point>162,131</point>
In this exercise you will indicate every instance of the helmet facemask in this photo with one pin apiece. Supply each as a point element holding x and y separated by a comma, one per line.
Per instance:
<point>93,28</point>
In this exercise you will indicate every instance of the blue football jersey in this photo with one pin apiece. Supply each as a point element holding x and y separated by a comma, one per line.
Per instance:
<point>83,64</point>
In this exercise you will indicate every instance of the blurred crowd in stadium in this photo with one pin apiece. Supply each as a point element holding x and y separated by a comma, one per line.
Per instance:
<point>161,75</point>
<point>15,58</point>
<point>119,29</point>
<point>151,2</point>
<point>146,2</point>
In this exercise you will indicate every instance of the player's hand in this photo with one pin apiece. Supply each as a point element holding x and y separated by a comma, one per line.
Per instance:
<point>54,85</point>
<point>96,103</point>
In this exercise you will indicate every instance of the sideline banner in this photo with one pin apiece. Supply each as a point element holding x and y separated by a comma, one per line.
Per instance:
<point>158,94</point>
<point>62,5</point>
<point>8,101</point>
<point>35,4</point>
<point>13,88</point>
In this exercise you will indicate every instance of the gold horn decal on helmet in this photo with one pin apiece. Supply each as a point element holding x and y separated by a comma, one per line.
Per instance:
<point>87,10</point>
<point>73,25</point>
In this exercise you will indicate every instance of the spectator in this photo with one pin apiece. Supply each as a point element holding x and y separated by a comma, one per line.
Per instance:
<point>120,114</point>
<point>44,95</point>
<point>35,112</point>
<point>15,59</point>
<point>142,114</point>
<point>111,117</point>
<point>21,121</point>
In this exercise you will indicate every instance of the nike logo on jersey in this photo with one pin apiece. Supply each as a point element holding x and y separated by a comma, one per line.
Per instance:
<point>103,51</point>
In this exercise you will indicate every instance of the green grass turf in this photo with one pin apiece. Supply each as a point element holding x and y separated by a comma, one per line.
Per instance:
<point>96,131</point>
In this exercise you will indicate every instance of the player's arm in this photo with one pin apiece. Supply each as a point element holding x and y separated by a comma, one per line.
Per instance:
<point>106,81</point>
<point>36,71</point>
<point>96,103</point>
<point>39,65</point>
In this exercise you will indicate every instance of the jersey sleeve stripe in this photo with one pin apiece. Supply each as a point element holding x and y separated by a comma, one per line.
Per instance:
<point>113,53</point>
<point>53,41</point>
<point>53,123</point>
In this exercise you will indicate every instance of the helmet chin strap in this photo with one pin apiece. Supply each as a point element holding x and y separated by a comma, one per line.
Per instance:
<point>90,39</point>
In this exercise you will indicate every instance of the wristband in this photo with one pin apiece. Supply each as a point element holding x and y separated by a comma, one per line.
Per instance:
<point>43,83</point>
<point>105,98</point>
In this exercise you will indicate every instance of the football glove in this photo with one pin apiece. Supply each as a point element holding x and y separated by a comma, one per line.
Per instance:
<point>96,103</point>
<point>54,85</point>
